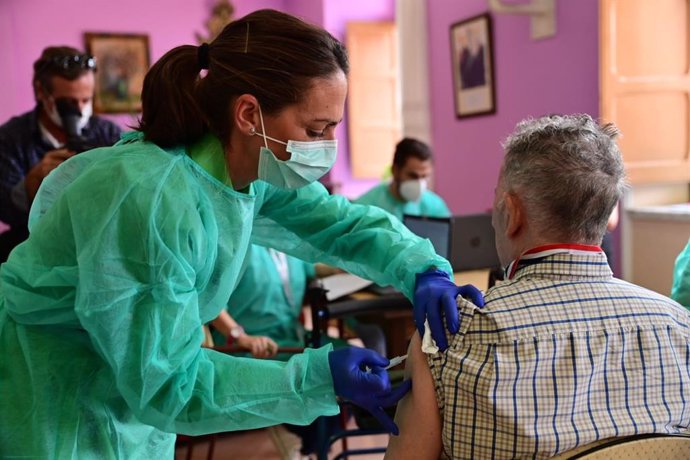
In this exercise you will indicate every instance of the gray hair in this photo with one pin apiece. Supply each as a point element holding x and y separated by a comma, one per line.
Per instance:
<point>569,173</point>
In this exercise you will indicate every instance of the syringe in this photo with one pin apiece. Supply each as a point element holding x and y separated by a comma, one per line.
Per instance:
<point>397,360</point>
<point>393,362</point>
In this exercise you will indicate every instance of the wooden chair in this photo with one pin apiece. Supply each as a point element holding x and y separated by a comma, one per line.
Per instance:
<point>651,446</point>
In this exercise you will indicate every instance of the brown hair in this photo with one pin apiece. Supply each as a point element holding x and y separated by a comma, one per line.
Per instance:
<point>61,61</point>
<point>271,55</point>
<point>410,147</point>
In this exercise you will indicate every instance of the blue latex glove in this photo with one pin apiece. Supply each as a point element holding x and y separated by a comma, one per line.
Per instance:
<point>368,389</point>
<point>435,292</point>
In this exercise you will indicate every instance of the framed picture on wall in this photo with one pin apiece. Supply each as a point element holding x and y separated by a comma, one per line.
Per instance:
<point>472,51</point>
<point>122,61</point>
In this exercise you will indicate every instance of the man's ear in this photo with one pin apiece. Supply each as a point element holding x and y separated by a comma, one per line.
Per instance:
<point>514,214</point>
<point>395,172</point>
<point>39,92</point>
<point>246,114</point>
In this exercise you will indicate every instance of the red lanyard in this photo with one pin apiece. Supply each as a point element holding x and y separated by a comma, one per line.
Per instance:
<point>549,250</point>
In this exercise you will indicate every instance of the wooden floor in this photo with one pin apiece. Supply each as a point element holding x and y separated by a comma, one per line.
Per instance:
<point>271,444</point>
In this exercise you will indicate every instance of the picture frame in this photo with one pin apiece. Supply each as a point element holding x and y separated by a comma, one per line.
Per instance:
<point>122,61</point>
<point>472,57</point>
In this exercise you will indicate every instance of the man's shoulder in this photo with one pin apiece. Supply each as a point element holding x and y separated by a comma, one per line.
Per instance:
<point>432,199</point>
<point>105,129</point>
<point>374,193</point>
<point>19,126</point>
<point>647,295</point>
<point>538,307</point>
<point>509,292</point>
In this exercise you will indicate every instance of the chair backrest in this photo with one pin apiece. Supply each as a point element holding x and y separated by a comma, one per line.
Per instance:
<point>645,446</point>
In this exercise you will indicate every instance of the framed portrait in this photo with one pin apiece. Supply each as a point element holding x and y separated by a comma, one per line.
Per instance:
<point>122,61</point>
<point>472,51</point>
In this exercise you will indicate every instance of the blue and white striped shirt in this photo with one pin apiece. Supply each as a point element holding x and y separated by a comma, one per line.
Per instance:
<point>562,355</point>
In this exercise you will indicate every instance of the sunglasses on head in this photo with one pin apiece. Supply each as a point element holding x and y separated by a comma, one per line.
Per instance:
<point>74,61</point>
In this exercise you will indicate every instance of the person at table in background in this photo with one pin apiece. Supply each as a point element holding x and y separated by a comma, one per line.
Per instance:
<point>562,354</point>
<point>264,310</point>
<point>153,232</point>
<point>35,143</point>
<point>263,314</point>
<point>407,192</point>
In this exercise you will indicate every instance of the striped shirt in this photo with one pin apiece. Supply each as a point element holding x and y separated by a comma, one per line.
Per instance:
<point>562,355</point>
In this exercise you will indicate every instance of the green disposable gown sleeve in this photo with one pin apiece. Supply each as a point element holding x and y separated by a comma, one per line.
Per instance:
<point>365,240</point>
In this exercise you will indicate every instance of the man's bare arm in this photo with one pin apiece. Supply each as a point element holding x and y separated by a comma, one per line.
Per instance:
<point>417,414</point>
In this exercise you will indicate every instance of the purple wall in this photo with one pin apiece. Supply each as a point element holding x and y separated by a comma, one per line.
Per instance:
<point>533,77</point>
<point>28,26</point>
<point>558,74</point>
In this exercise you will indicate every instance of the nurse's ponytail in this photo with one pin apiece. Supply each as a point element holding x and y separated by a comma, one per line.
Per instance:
<point>171,114</point>
<point>271,55</point>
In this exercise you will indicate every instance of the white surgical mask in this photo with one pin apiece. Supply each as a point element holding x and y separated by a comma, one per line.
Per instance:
<point>309,161</point>
<point>412,190</point>
<point>86,113</point>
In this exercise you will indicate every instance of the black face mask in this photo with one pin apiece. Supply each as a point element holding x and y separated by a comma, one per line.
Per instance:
<point>70,116</point>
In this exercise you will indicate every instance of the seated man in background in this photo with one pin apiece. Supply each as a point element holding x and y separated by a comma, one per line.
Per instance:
<point>562,354</point>
<point>35,143</point>
<point>407,193</point>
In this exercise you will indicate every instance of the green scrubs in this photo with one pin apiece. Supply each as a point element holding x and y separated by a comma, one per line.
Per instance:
<point>429,205</point>
<point>131,250</point>
<point>680,292</point>
<point>262,305</point>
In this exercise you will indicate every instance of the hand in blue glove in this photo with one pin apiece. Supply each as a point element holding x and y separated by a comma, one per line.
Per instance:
<point>370,389</point>
<point>435,292</point>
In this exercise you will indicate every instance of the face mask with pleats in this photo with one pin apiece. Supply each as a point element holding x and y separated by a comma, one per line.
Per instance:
<point>309,161</point>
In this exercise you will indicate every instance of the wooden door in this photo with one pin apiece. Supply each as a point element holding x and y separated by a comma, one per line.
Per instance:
<point>374,119</point>
<point>645,85</point>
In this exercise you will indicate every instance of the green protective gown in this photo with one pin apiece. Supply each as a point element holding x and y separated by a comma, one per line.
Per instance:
<point>131,250</point>
<point>429,205</point>
<point>260,302</point>
<point>680,292</point>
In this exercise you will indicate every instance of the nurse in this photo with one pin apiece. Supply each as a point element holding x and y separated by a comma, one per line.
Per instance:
<point>133,248</point>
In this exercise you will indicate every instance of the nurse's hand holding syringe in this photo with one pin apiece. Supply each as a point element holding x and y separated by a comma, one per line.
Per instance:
<point>360,376</point>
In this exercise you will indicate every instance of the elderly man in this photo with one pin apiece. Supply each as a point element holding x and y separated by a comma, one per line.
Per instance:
<point>36,142</point>
<point>562,354</point>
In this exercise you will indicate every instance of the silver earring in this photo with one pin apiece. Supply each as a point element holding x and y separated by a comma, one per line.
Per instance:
<point>252,130</point>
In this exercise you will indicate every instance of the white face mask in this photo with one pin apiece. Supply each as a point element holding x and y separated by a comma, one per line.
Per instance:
<point>309,161</point>
<point>54,115</point>
<point>412,190</point>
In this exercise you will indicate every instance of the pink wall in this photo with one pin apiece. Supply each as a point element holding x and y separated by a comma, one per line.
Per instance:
<point>559,74</point>
<point>28,26</point>
<point>533,77</point>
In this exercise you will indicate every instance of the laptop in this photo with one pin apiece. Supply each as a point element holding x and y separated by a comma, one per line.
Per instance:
<point>468,242</point>
<point>438,230</point>
<point>473,244</point>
